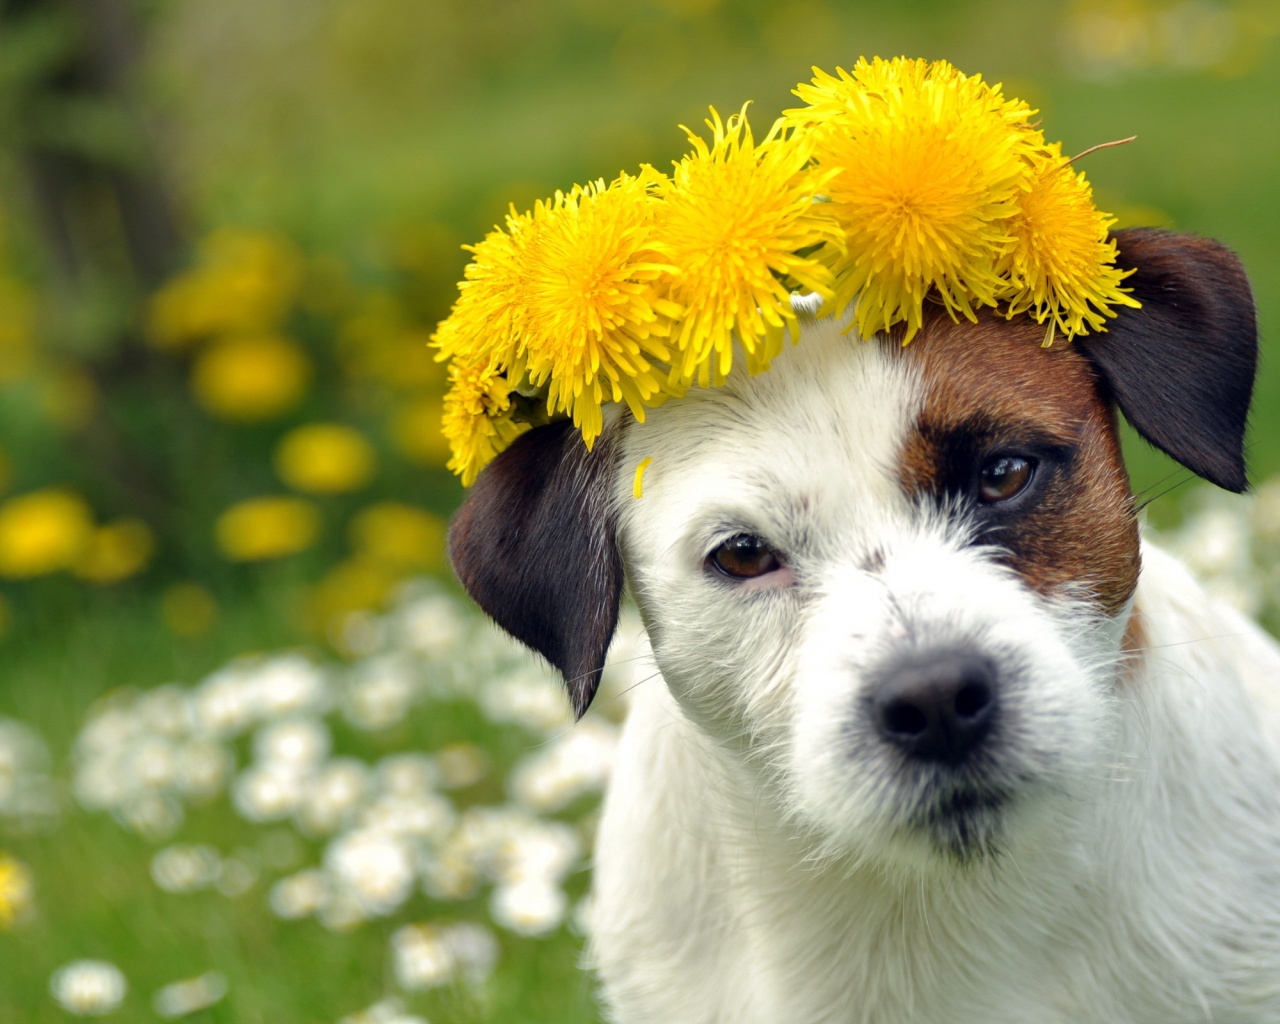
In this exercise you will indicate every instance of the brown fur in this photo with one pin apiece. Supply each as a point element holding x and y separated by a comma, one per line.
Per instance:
<point>991,386</point>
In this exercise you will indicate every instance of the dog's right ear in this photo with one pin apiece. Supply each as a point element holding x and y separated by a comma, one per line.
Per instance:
<point>534,545</point>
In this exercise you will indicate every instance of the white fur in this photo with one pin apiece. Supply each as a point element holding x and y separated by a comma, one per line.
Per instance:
<point>756,862</point>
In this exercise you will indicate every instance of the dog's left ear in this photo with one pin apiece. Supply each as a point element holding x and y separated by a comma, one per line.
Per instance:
<point>535,547</point>
<point>1181,368</point>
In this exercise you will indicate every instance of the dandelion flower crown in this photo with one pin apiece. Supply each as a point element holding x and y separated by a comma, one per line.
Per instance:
<point>900,182</point>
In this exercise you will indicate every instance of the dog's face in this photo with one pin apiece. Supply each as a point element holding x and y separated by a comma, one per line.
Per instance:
<point>894,582</point>
<point>893,578</point>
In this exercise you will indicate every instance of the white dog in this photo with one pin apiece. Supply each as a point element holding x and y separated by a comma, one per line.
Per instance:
<point>937,738</point>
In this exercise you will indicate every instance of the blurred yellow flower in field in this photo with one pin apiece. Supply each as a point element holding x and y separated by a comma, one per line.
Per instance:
<point>251,377</point>
<point>260,528</point>
<point>355,585</point>
<point>17,892</point>
<point>188,609</point>
<point>325,458</point>
<point>115,552</point>
<point>417,432</point>
<point>243,281</point>
<point>42,532</point>
<point>399,536</point>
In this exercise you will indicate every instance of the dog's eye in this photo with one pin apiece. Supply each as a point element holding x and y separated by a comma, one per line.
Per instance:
<point>1003,477</point>
<point>744,557</point>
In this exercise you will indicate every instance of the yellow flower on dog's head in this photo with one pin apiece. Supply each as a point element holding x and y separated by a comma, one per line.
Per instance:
<point>928,166</point>
<point>735,220</point>
<point>900,182</point>
<point>1062,265</point>
<point>477,419</point>
<point>596,323</point>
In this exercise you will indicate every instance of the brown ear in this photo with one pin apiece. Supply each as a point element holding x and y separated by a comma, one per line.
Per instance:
<point>1181,368</point>
<point>534,545</point>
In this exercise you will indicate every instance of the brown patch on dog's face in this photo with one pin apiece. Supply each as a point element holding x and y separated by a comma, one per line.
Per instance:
<point>992,393</point>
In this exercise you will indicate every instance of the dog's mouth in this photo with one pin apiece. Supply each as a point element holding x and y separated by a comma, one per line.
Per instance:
<point>965,823</point>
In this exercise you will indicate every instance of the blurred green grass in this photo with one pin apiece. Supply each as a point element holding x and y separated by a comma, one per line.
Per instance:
<point>379,137</point>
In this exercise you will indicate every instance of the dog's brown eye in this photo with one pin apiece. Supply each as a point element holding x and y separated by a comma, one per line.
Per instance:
<point>744,557</point>
<point>1004,477</point>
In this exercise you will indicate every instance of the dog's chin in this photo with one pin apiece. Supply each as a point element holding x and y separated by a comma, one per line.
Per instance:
<point>962,824</point>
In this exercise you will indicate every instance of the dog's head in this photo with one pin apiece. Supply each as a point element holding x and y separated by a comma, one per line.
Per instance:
<point>895,580</point>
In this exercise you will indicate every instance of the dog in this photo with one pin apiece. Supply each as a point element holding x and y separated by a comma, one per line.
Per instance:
<point>934,734</point>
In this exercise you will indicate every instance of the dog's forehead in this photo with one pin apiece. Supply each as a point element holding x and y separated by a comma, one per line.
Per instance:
<point>824,426</point>
<point>841,419</point>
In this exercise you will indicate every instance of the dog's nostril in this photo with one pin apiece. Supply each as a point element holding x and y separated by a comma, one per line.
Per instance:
<point>905,719</point>
<point>972,700</point>
<point>936,707</point>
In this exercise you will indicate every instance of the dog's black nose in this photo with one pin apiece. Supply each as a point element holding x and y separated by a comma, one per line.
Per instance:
<point>936,707</point>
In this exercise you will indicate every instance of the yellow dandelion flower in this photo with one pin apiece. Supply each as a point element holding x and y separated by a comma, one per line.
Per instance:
<point>485,323</point>
<point>733,220</point>
<point>17,892</point>
<point>399,536</point>
<point>243,281</point>
<point>115,552</point>
<point>596,323</point>
<point>928,168</point>
<point>42,532</point>
<point>1062,266</point>
<point>251,377</point>
<point>477,420</point>
<point>325,458</point>
<point>261,528</point>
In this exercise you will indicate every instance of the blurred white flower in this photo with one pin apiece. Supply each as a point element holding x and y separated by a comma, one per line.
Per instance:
<point>153,762</point>
<point>573,764</point>
<point>333,796</point>
<point>28,796</point>
<point>224,702</point>
<point>154,816</point>
<point>185,997</point>
<point>451,873</point>
<point>425,816</point>
<point>291,684</point>
<point>111,725</point>
<point>185,868</point>
<point>539,852</point>
<point>432,624</point>
<point>204,767</point>
<point>269,792</point>
<point>299,895</point>
<point>531,908</point>
<point>421,958</point>
<point>380,692</point>
<point>164,709</point>
<point>529,697</point>
<point>374,867</point>
<point>88,988</point>
<point>295,742</point>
